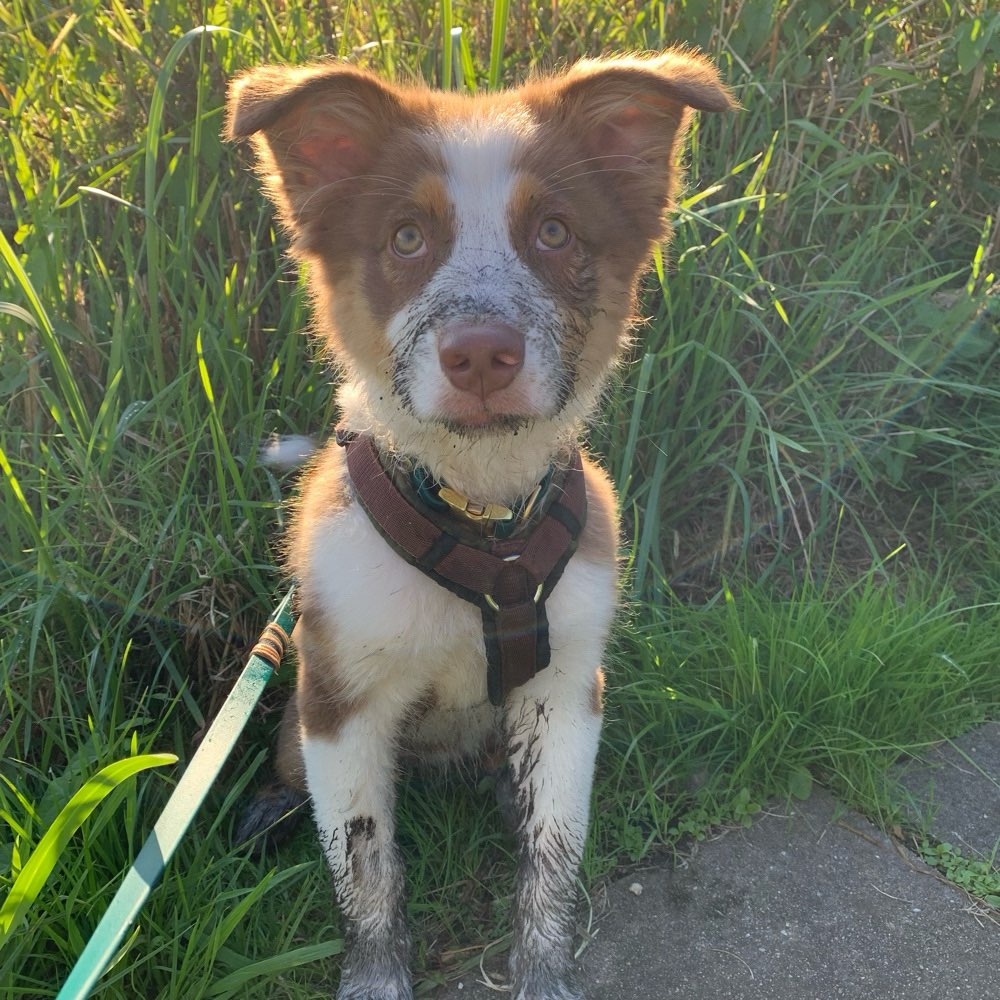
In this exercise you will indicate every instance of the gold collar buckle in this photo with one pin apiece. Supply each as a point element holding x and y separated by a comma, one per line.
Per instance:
<point>472,509</point>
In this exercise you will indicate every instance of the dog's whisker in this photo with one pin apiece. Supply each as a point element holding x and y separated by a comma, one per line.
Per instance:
<point>559,173</point>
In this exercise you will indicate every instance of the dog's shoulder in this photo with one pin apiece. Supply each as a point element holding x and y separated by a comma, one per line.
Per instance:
<point>323,493</point>
<point>599,538</point>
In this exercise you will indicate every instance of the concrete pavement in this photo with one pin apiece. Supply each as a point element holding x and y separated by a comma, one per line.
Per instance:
<point>809,903</point>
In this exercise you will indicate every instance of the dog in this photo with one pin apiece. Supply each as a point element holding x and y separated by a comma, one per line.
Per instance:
<point>473,263</point>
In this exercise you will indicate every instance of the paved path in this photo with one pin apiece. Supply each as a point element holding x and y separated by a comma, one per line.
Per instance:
<point>812,903</point>
<point>956,792</point>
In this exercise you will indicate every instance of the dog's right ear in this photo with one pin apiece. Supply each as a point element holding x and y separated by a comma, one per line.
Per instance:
<point>315,129</point>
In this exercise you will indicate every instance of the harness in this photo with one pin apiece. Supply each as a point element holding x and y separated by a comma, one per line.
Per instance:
<point>508,579</point>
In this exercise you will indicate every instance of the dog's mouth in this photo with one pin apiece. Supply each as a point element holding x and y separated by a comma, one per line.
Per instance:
<point>485,422</point>
<point>474,412</point>
<point>470,414</point>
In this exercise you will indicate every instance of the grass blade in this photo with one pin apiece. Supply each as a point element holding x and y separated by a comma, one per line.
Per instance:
<point>447,45</point>
<point>57,357</point>
<point>74,814</point>
<point>498,36</point>
<point>275,964</point>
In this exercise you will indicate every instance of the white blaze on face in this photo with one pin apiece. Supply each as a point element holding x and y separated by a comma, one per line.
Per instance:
<point>482,280</point>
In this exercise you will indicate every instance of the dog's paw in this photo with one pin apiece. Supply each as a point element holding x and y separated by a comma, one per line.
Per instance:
<point>270,818</point>
<point>376,965</point>
<point>557,991</point>
<point>546,983</point>
<point>371,991</point>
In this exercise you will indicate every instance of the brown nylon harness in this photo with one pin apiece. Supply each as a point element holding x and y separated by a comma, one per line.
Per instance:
<point>507,579</point>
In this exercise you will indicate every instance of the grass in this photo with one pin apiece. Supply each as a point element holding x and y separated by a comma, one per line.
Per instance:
<point>807,444</point>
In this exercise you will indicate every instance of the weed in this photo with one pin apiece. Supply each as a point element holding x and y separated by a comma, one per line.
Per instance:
<point>977,876</point>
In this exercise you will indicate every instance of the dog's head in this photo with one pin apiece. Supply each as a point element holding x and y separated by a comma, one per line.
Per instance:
<point>474,260</point>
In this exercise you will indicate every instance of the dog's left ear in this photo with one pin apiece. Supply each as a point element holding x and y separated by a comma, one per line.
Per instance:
<point>639,107</point>
<point>631,115</point>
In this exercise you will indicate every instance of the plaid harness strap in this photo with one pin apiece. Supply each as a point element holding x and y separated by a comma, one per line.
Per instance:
<point>508,579</point>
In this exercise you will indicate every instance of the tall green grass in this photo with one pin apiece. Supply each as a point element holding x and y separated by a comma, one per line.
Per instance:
<point>754,698</point>
<point>807,445</point>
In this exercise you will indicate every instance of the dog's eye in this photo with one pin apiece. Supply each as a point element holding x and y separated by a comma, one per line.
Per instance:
<point>408,241</point>
<point>552,235</point>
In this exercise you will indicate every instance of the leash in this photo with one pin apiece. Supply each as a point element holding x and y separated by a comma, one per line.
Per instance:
<point>182,805</point>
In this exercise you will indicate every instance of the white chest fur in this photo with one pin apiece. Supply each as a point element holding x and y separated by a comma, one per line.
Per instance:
<point>398,632</point>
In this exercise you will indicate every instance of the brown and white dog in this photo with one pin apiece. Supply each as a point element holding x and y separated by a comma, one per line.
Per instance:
<point>474,263</point>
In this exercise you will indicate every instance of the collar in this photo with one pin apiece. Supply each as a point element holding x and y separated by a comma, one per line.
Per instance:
<point>470,521</point>
<point>495,519</point>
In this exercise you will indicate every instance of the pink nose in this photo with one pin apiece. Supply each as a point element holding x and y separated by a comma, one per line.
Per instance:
<point>481,358</point>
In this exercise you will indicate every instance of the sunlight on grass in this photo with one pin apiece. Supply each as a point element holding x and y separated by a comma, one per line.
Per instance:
<point>49,850</point>
<point>806,443</point>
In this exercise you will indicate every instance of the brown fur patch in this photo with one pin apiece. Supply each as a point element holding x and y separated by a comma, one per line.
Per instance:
<point>599,539</point>
<point>323,491</point>
<point>430,197</point>
<point>323,703</point>
<point>352,253</point>
<point>570,272</point>
<point>607,150</point>
<point>525,200</point>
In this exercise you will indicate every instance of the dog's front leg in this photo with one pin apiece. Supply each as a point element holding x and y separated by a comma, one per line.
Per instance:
<point>351,781</point>
<point>553,725</point>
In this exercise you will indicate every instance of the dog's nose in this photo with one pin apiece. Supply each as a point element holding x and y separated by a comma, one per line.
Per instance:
<point>481,358</point>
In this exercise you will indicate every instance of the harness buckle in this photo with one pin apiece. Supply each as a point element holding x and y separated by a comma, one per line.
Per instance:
<point>491,601</point>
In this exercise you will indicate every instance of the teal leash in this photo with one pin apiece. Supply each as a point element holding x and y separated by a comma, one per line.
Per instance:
<point>182,805</point>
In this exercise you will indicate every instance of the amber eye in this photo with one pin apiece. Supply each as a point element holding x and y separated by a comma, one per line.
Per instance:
<point>408,241</point>
<point>552,235</point>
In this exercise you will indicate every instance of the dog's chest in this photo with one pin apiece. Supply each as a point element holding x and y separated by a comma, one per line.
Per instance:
<point>396,633</point>
<point>396,629</point>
